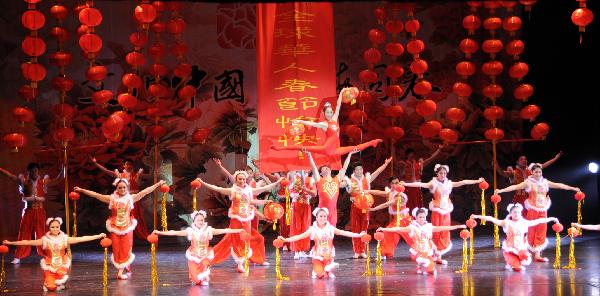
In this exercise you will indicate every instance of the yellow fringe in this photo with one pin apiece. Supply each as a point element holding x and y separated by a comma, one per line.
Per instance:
<point>368,263</point>
<point>483,206</point>
<point>471,248</point>
<point>105,269</point>
<point>378,269</point>
<point>572,261</point>
<point>163,214</point>
<point>288,215</point>
<point>274,225</point>
<point>496,229</point>
<point>194,200</point>
<point>154,274</point>
<point>579,217</point>
<point>398,212</point>
<point>557,256</point>
<point>2,275</point>
<point>74,218</point>
<point>246,266</point>
<point>465,262</point>
<point>278,266</point>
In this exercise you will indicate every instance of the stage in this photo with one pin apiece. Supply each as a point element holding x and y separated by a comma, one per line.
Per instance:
<point>486,277</point>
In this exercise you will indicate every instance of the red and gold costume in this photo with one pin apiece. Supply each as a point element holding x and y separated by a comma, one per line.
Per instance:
<point>56,261</point>
<point>537,205</point>
<point>121,224</point>
<point>323,251</point>
<point>359,218</point>
<point>33,220</point>
<point>241,214</point>
<point>514,248</point>
<point>412,173</point>
<point>441,206</point>
<point>141,230</point>
<point>520,175</point>
<point>328,190</point>
<point>301,212</point>
<point>391,239</point>
<point>284,229</point>
<point>199,254</point>
<point>423,250</point>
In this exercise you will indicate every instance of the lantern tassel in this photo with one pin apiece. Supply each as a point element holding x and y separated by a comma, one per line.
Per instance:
<point>496,229</point>
<point>288,216</point>
<point>465,260</point>
<point>579,216</point>
<point>74,218</point>
<point>274,225</point>
<point>483,206</point>
<point>378,269</point>
<point>572,261</point>
<point>557,256</point>
<point>105,269</point>
<point>246,267</point>
<point>471,248</point>
<point>194,200</point>
<point>154,274</point>
<point>278,266</point>
<point>2,275</point>
<point>163,214</point>
<point>398,215</point>
<point>368,263</point>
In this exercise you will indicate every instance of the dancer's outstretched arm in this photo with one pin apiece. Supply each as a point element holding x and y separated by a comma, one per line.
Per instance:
<point>447,228</point>
<point>224,170</point>
<point>432,157</point>
<point>137,196</point>
<point>82,239</point>
<point>380,169</point>
<point>348,233</point>
<point>342,171</point>
<point>298,237</point>
<point>32,243</point>
<point>394,229</point>
<point>416,184</point>
<point>9,174</point>
<point>226,231</point>
<point>520,186</point>
<point>551,161</point>
<point>467,182</point>
<point>313,166</point>
<point>104,169</point>
<point>224,191</point>
<point>586,227</point>
<point>535,222</point>
<point>101,197</point>
<point>489,219</point>
<point>562,186</point>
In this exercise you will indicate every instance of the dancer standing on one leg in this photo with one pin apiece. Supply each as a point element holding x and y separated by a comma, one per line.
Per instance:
<point>323,252</point>
<point>120,224</point>
<point>328,188</point>
<point>515,226</point>
<point>412,169</point>
<point>331,128</point>
<point>134,178</point>
<point>394,197</point>
<point>423,249</point>
<point>357,184</point>
<point>537,205</point>
<point>241,214</point>
<point>441,206</point>
<point>56,261</point>
<point>33,189</point>
<point>199,254</point>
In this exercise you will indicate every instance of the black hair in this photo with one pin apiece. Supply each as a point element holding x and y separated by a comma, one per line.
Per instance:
<point>33,165</point>
<point>536,166</point>
<point>409,151</point>
<point>419,211</point>
<point>392,178</point>
<point>441,167</point>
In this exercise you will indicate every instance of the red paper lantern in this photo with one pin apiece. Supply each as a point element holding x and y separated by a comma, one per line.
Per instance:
<point>492,91</point>
<point>367,76</point>
<point>33,46</point>
<point>573,232</point>
<point>182,70</point>
<point>90,17</point>
<point>430,129</point>
<point>82,30</point>
<point>394,49</point>
<point>3,249</point>
<point>530,112</point>
<point>176,26</point>
<point>187,92</point>
<point>33,72</point>
<point>144,13</point>
<point>349,94</point>
<point>393,111</point>
<point>59,12</point>
<point>422,88</point>
<point>394,91</point>
<point>64,111</point>
<point>394,26</point>
<point>15,141</point>
<point>152,238</point>
<point>102,96</point>
<point>493,113</point>
<point>90,43</point>
<point>164,188</point>
<point>28,93</point>
<point>557,227</point>
<point>96,73</point>
<point>512,24</point>
<point>365,97</point>
<point>376,36</point>
<point>357,116</point>
<point>518,70</point>
<point>412,26</point>
<point>158,27</point>
<point>492,46</point>
<point>127,100</point>
<point>471,23</point>
<point>492,68</point>
<point>33,20</point>
<point>106,242</point>
<point>394,133</point>
<point>195,184</point>
<point>296,129</point>
<point>465,68</point>
<point>394,71</point>
<point>354,132</point>
<point>465,234</point>
<point>364,201</point>
<point>378,236</point>
<point>579,196</point>
<point>59,33</point>
<point>468,46</point>
<point>159,90</point>
<point>138,39</point>
<point>372,56</point>
<point>471,223</point>
<point>135,59</point>
<point>192,114</point>
<point>492,23</point>
<point>74,196</point>
<point>126,117</point>
<point>23,114</point>
<point>541,129</point>
<point>582,17</point>
<point>278,243</point>
<point>415,47</point>
<point>419,66</point>
<point>461,89</point>
<point>60,59</point>
<point>426,107</point>
<point>523,92</point>
<point>62,84</point>
<point>131,80</point>
<point>380,15</point>
<point>200,135</point>
<point>515,48</point>
<point>365,238</point>
<point>113,125</point>
<point>494,134</point>
<point>448,135</point>
<point>496,198</point>
<point>273,211</point>
<point>456,114</point>
<point>156,131</point>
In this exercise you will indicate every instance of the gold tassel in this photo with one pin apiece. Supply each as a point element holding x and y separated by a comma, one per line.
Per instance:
<point>274,225</point>
<point>2,276</point>
<point>471,248</point>
<point>496,229</point>
<point>557,256</point>
<point>368,263</point>
<point>105,269</point>
<point>74,218</point>
<point>572,262</point>
<point>483,206</point>
<point>194,200</point>
<point>154,274</point>
<point>579,217</point>
<point>163,214</point>
<point>288,215</point>
<point>465,261</point>
<point>246,267</point>
<point>378,270</point>
<point>398,212</point>
<point>278,266</point>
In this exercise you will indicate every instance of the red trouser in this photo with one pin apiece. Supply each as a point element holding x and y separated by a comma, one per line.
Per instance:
<point>198,272</point>
<point>319,267</point>
<point>33,221</point>
<point>284,229</point>
<point>359,221</point>
<point>121,248</point>
<point>391,239</point>
<point>50,278</point>
<point>301,219</point>
<point>536,235</point>
<point>441,239</point>
<point>233,242</point>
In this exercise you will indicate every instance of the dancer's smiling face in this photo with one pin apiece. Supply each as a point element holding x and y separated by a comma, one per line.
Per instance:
<point>421,218</point>
<point>54,227</point>
<point>122,188</point>
<point>321,218</point>
<point>516,213</point>
<point>240,180</point>
<point>441,174</point>
<point>328,112</point>
<point>199,221</point>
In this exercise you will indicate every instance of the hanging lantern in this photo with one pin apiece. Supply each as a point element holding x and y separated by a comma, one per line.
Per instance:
<point>62,84</point>
<point>494,134</point>
<point>430,129</point>
<point>422,88</point>
<point>126,117</point>
<point>394,71</point>
<point>394,91</point>
<point>461,89</point>
<point>492,68</point>
<point>419,67</point>
<point>540,130</point>
<point>349,94</point>
<point>28,93</point>
<point>492,91</point>
<point>365,97</point>
<point>492,46</point>
<point>33,46</point>
<point>456,115</point>
<point>364,201</point>
<point>465,69</point>
<point>60,34</point>
<point>273,211</point>
<point>372,56</point>
<point>518,70</point>
<point>156,131</point>
<point>60,58</point>
<point>493,113</point>
<point>412,27</point>
<point>127,100</point>
<point>357,116</point>
<point>182,70</point>
<point>468,47</point>
<point>415,47</point>
<point>367,76</point>
<point>102,97</point>
<point>512,24</point>
<point>131,80</point>
<point>96,73</point>
<point>33,20</point>
<point>353,132</point>
<point>23,115</point>
<point>187,92</point>
<point>492,24</point>
<point>582,17</point>
<point>394,133</point>
<point>393,111</point>
<point>394,49</point>
<point>90,17</point>
<point>59,12</point>
<point>64,135</point>
<point>192,114</point>
<point>113,125</point>
<point>90,44</point>
<point>471,23</point>
<point>523,92</point>
<point>200,135</point>
<point>394,27</point>
<point>138,39</point>
<point>15,141</point>
<point>380,15</point>
<point>377,36</point>
<point>135,59</point>
<point>426,108</point>
<point>448,135</point>
<point>530,112</point>
<point>296,129</point>
<point>515,48</point>
<point>64,111</point>
<point>144,13</point>
<point>33,72</point>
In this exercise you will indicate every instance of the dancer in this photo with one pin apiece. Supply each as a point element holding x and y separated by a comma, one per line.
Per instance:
<point>301,190</point>
<point>391,239</point>
<point>520,173</point>
<point>537,205</point>
<point>515,226</point>
<point>586,227</point>
<point>359,219</point>
<point>412,169</point>
<point>56,262</point>
<point>33,189</point>
<point>328,188</point>
<point>330,126</point>
<point>241,213</point>
<point>323,252</point>
<point>423,249</point>
<point>134,178</point>
<point>199,254</point>
<point>120,224</point>
<point>441,205</point>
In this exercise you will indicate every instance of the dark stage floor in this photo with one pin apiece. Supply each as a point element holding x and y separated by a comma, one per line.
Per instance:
<point>486,277</point>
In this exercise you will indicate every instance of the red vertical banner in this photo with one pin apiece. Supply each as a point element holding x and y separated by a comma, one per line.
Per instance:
<point>295,71</point>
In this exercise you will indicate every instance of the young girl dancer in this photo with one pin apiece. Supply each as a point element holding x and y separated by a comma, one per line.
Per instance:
<point>56,261</point>
<point>323,252</point>
<point>514,247</point>
<point>120,224</point>
<point>199,254</point>
<point>423,250</point>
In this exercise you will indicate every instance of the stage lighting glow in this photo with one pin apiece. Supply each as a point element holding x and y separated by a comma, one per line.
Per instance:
<point>593,167</point>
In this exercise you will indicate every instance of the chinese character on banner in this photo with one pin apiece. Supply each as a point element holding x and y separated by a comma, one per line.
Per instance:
<point>230,86</point>
<point>342,68</point>
<point>295,85</point>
